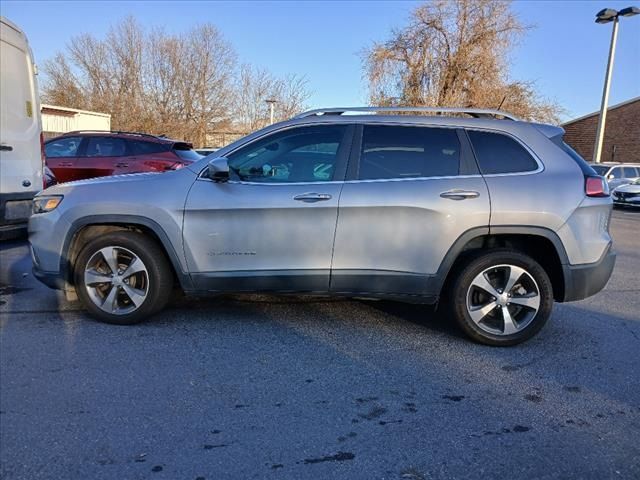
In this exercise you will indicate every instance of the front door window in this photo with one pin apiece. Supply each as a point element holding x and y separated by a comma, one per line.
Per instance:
<point>306,154</point>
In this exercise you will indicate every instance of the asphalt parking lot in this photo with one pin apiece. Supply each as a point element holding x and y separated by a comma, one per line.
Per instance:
<point>295,388</point>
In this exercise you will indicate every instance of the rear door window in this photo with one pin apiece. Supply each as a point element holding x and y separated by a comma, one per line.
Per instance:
<point>616,173</point>
<point>106,147</point>
<point>390,151</point>
<point>497,153</point>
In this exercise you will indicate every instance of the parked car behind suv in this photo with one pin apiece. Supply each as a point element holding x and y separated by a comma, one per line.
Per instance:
<point>617,174</point>
<point>87,154</point>
<point>627,195</point>
<point>494,219</point>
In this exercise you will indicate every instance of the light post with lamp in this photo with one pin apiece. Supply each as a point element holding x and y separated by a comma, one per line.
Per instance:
<point>272,103</point>
<point>605,16</point>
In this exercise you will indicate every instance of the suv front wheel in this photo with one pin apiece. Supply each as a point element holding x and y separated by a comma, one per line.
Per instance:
<point>123,277</point>
<point>501,298</point>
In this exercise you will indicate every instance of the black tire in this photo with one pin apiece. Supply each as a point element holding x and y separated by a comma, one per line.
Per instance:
<point>494,260</point>
<point>158,276</point>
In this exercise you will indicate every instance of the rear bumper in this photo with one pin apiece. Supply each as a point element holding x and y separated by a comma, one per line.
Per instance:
<point>13,221</point>
<point>12,231</point>
<point>582,281</point>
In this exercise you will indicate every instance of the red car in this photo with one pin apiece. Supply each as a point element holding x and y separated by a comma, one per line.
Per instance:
<point>88,154</point>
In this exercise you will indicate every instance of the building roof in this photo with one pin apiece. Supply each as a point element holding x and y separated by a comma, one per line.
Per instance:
<point>71,111</point>
<point>613,107</point>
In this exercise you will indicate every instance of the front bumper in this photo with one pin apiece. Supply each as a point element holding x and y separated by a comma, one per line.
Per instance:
<point>47,235</point>
<point>627,203</point>
<point>582,281</point>
<point>53,280</point>
<point>626,198</point>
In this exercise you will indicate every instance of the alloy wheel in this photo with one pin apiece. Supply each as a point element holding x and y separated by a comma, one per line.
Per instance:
<point>503,299</point>
<point>116,280</point>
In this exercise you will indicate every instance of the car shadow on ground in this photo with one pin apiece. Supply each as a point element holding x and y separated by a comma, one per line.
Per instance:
<point>430,317</point>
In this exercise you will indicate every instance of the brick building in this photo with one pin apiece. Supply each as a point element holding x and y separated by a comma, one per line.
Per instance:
<point>621,135</point>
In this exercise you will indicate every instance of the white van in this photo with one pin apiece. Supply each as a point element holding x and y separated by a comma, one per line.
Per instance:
<point>21,161</point>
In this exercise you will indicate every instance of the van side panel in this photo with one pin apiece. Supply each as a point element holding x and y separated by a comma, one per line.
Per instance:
<point>20,128</point>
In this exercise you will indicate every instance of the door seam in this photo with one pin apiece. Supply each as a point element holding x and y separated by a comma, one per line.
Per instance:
<point>335,233</point>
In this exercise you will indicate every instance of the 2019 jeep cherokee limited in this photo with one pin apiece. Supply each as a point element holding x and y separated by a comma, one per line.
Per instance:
<point>495,216</point>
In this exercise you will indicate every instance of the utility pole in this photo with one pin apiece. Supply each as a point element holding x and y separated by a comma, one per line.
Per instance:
<point>605,16</point>
<point>272,102</point>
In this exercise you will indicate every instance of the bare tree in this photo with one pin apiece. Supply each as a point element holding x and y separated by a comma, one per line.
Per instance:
<point>185,85</point>
<point>255,86</point>
<point>207,81</point>
<point>62,87</point>
<point>181,85</point>
<point>454,53</point>
<point>291,93</point>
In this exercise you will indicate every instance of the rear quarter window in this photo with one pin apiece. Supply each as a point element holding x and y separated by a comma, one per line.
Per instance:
<point>140,147</point>
<point>190,155</point>
<point>497,153</point>
<point>185,152</point>
<point>587,170</point>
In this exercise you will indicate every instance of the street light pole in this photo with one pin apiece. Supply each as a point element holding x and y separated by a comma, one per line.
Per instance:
<point>605,16</point>
<point>272,103</point>
<point>605,94</point>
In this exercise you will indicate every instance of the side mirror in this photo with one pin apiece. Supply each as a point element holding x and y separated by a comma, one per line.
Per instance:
<point>218,169</point>
<point>611,176</point>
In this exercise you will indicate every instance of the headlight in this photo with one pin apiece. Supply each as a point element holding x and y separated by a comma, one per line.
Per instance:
<point>46,203</point>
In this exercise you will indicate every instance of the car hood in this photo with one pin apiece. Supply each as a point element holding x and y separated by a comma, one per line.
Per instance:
<point>629,188</point>
<point>132,177</point>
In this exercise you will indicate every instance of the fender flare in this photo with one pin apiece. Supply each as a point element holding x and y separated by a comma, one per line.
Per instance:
<point>126,220</point>
<point>458,246</point>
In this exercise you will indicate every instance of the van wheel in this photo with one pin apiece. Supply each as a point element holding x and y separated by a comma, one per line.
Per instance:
<point>123,277</point>
<point>501,298</point>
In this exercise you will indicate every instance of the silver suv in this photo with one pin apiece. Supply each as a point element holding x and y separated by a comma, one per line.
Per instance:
<point>491,217</point>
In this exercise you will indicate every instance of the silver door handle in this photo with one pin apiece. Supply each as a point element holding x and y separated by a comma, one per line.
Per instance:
<point>312,197</point>
<point>459,194</point>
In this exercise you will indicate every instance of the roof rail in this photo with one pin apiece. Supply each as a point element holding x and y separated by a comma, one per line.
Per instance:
<point>113,131</point>
<point>474,112</point>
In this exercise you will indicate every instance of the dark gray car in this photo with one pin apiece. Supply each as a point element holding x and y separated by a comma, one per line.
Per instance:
<point>491,217</point>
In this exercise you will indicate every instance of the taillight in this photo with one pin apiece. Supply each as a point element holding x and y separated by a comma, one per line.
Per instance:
<point>596,187</point>
<point>176,166</point>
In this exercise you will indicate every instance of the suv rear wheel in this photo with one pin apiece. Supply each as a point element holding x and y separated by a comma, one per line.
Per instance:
<point>501,298</point>
<point>123,277</point>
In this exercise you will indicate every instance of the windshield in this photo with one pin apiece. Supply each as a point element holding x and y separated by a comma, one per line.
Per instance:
<point>600,169</point>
